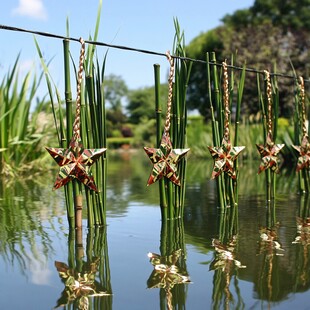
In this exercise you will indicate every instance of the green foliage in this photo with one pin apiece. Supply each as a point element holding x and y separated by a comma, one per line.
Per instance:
<point>21,132</point>
<point>115,89</point>
<point>268,33</point>
<point>141,103</point>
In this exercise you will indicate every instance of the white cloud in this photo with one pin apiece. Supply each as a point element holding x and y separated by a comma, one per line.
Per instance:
<point>31,8</point>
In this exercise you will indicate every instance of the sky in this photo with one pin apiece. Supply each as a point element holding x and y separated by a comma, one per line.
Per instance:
<point>144,24</point>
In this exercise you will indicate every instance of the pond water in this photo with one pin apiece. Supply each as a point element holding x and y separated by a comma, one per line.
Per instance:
<point>264,262</point>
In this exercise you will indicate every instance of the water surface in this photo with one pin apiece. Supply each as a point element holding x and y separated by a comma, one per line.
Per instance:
<point>272,274</point>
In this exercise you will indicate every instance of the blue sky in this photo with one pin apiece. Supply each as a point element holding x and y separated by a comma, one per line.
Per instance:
<point>145,24</point>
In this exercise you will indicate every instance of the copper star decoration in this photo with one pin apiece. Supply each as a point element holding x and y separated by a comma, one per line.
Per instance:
<point>165,160</point>
<point>167,273</point>
<point>224,157</point>
<point>75,163</point>
<point>269,153</point>
<point>303,161</point>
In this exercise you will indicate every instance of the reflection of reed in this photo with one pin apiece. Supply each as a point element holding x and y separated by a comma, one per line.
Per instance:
<point>225,264</point>
<point>270,247</point>
<point>86,278</point>
<point>23,221</point>
<point>170,272</point>
<point>302,241</point>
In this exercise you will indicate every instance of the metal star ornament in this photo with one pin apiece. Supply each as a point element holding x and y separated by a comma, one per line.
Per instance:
<point>75,163</point>
<point>224,157</point>
<point>165,161</point>
<point>269,155</point>
<point>303,161</point>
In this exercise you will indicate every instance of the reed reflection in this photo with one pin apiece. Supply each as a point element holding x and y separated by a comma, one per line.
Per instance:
<point>86,275</point>
<point>170,271</point>
<point>225,263</point>
<point>302,241</point>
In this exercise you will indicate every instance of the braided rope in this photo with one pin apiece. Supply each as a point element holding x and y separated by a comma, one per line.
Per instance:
<point>77,120</point>
<point>269,102</point>
<point>303,105</point>
<point>226,101</point>
<point>170,92</point>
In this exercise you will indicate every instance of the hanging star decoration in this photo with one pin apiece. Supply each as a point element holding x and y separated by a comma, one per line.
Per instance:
<point>75,162</point>
<point>165,159</point>
<point>225,155</point>
<point>269,155</point>
<point>269,151</point>
<point>303,161</point>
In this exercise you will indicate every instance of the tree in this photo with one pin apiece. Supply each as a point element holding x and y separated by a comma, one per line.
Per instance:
<point>141,103</point>
<point>115,90</point>
<point>267,34</point>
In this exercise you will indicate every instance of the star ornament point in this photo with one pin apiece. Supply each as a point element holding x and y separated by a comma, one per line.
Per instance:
<point>224,157</point>
<point>303,161</point>
<point>75,163</point>
<point>165,161</point>
<point>269,155</point>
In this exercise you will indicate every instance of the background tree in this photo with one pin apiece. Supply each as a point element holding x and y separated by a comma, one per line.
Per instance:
<point>141,103</point>
<point>272,34</point>
<point>141,112</point>
<point>115,92</point>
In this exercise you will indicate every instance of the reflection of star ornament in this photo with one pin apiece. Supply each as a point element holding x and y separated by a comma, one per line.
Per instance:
<point>224,157</point>
<point>304,154</point>
<point>165,160</point>
<point>269,153</point>
<point>75,162</point>
<point>166,273</point>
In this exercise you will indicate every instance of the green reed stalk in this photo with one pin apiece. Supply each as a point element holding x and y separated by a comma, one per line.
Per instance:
<point>158,111</point>
<point>172,197</point>
<point>69,121</point>
<point>219,130</point>
<point>215,131</point>
<point>240,88</point>
<point>179,112</point>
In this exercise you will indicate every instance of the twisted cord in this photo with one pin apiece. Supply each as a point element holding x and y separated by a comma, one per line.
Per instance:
<point>170,92</point>
<point>77,120</point>
<point>226,101</point>
<point>303,106</point>
<point>269,102</point>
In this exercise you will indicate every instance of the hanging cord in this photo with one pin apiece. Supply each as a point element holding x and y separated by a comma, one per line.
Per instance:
<point>226,101</point>
<point>269,103</point>
<point>170,92</point>
<point>127,48</point>
<point>77,120</point>
<point>301,87</point>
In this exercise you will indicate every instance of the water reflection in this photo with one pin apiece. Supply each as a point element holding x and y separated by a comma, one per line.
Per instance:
<point>86,275</point>
<point>211,245</point>
<point>302,243</point>
<point>25,241</point>
<point>225,263</point>
<point>170,272</point>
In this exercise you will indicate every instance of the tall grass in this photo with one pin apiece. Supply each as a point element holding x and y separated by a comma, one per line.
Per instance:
<point>226,187</point>
<point>93,127</point>
<point>269,101</point>
<point>172,196</point>
<point>20,138</point>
